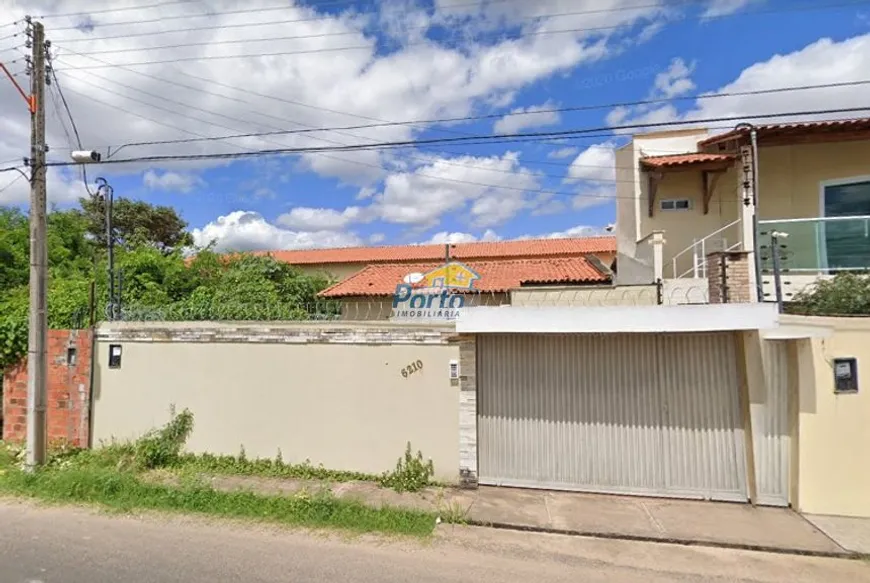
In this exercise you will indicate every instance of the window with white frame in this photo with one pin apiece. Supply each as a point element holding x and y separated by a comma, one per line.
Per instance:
<point>846,240</point>
<point>675,204</point>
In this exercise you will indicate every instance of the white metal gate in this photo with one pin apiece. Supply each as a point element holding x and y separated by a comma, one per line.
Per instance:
<point>629,414</point>
<point>770,427</point>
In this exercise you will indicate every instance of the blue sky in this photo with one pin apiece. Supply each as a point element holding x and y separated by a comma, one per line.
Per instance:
<point>424,60</point>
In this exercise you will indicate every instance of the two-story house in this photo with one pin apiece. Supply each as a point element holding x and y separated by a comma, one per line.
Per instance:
<point>698,193</point>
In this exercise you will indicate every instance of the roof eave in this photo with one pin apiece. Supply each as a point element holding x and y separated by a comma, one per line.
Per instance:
<point>720,164</point>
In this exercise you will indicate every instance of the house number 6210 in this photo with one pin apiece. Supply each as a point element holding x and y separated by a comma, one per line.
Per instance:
<point>412,368</point>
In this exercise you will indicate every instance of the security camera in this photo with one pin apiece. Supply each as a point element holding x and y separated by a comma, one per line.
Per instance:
<point>86,156</point>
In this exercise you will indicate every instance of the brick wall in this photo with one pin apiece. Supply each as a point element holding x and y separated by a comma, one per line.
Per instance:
<point>68,391</point>
<point>728,277</point>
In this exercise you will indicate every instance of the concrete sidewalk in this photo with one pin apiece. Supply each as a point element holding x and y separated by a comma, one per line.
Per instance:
<point>626,517</point>
<point>853,534</point>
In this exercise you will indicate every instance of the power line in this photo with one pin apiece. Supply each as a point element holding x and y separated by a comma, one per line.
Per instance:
<point>243,11</point>
<point>11,169</point>
<point>381,121</point>
<point>13,181</point>
<point>111,10</point>
<point>72,121</point>
<point>299,104</point>
<point>443,120</point>
<point>356,162</point>
<point>63,125</point>
<point>390,145</point>
<point>299,20</point>
<point>499,116</point>
<point>313,129</point>
<point>281,119</point>
<point>13,35</point>
<point>369,46</point>
<point>359,163</point>
<point>334,2</point>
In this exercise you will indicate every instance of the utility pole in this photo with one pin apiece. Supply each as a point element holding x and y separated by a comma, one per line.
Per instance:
<point>37,358</point>
<point>107,198</point>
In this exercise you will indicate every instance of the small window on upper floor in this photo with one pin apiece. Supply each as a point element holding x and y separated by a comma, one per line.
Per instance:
<point>676,204</point>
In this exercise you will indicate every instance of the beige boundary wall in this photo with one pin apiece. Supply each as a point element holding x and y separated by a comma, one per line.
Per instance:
<point>833,454</point>
<point>331,393</point>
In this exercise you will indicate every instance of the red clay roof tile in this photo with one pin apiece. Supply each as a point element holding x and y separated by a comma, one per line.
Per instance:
<point>795,129</point>
<point>684,159</point>
<point>459,251</point>
<point>495,276</point>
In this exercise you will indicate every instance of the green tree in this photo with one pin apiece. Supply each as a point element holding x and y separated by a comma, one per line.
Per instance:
<point>135,222</point>
<point>846,294</point>
<point>14,248</point>
<point>157,277</point>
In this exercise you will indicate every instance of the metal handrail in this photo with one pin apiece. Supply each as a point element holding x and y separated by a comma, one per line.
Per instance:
<point>704,266</point>
<point>812,219</point>
<point>694,247</point>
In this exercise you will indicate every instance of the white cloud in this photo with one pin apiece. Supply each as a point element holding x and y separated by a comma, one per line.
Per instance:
<point>445,237</point>
<point>249,231</point>
<point>823,62</point>
<point>322,219</point>
<point>586,15</point>
<point>725,7</point>
<point>171,181</point>
<point>523,118</point>
<point>675,80</point>
<point>376,238</point>
<point>491,189</point>
<point>414,78</point>
<point>594,170</point>
<point>562,153</point>
<point>595,164</point>
<point>62,187</point>
<point>578,231</point>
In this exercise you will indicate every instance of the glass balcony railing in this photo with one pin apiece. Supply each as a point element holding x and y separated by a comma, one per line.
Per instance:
<point>820,245</point>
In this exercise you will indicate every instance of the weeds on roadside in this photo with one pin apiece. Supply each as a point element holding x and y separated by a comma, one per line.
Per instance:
<point>124,491</point>
<point>162,449</point>
<point>277,468</point>
<point>412,473</point>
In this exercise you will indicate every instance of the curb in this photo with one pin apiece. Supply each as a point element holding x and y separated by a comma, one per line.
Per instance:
<point>847,555</point>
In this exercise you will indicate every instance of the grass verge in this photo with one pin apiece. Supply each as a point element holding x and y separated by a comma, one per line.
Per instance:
<point>121,490</point>
<point>112,476</point>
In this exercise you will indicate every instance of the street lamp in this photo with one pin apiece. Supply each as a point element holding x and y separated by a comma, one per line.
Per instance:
<point>105,193</point>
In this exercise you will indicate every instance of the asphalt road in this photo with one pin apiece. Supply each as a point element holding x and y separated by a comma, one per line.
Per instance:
<point>64,545</point>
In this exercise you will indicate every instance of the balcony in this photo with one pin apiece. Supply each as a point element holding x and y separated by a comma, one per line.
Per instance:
<point>817,246</point>
<point>814,248</point>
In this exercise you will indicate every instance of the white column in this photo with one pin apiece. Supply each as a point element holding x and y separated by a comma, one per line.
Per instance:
<point>658,242</point>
